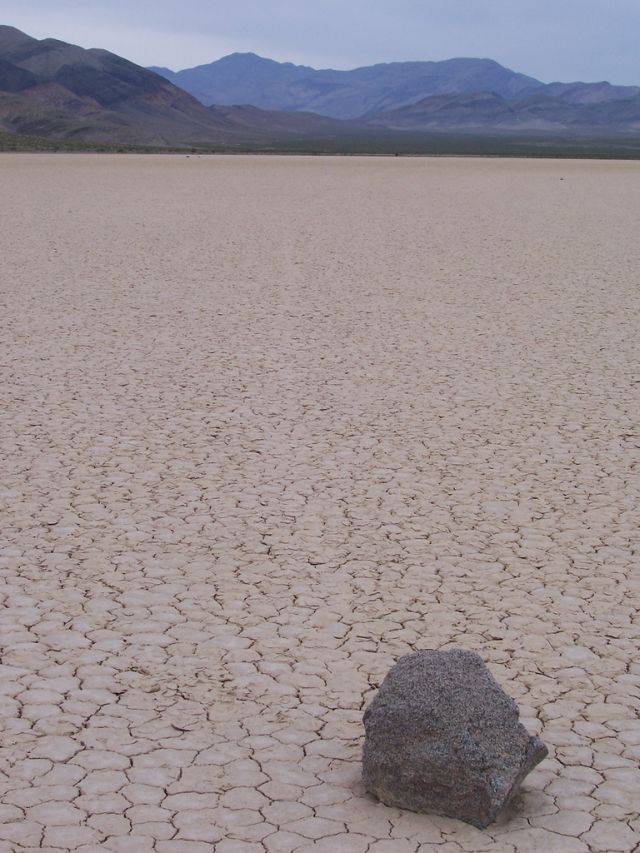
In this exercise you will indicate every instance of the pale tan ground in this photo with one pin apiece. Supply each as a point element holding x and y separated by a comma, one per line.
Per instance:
<point>269,424</point>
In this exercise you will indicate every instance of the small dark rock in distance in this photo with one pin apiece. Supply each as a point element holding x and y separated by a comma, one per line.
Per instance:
<point>443,737</point>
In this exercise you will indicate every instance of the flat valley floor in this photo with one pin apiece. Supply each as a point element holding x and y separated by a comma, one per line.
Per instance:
<point>270,423</point>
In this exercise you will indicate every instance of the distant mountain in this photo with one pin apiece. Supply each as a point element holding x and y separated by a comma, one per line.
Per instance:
<point>590,93</point>
<point>51,88</point>
<point>487,112</point>
<point>254,123</point>
<point>244,78</point>
<point>456,95</point>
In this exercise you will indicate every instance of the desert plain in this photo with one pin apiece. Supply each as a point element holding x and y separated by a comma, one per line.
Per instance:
<point>268,424</point>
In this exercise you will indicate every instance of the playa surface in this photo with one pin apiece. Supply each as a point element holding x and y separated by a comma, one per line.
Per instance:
<point>271,423</point>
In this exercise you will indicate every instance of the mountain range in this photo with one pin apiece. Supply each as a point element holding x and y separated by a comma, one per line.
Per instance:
<point>54,89</point>
<point>244,78</point>
<point>455,94</point>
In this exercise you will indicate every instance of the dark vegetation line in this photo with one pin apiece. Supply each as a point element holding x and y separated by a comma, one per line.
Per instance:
<point>410,145</point>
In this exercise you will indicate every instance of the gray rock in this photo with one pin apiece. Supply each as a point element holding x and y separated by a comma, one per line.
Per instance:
<point>443,737</point>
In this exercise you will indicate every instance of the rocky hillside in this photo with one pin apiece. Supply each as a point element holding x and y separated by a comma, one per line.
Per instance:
<point>54,89</point>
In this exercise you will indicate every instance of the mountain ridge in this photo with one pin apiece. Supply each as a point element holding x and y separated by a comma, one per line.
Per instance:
<point>54,89</point>
<point>454,95</point>
<point>250,78</point>
<point>488,112</point>
<point>354,94</point>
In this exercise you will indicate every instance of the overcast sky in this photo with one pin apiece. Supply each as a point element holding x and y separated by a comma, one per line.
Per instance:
<point>550,39</point>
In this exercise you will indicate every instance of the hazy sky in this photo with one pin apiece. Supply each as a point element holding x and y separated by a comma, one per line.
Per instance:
<point>550,39</point>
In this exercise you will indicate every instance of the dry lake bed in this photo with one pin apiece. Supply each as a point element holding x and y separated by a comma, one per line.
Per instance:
<point>267,425</point>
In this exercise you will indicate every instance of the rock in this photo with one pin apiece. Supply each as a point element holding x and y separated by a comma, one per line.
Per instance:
<point>443,737</point>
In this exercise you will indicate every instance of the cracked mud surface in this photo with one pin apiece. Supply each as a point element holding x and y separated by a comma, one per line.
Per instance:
<point>269,424</point>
